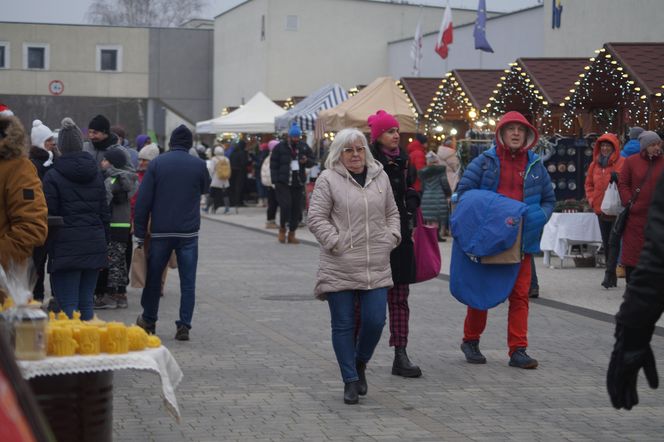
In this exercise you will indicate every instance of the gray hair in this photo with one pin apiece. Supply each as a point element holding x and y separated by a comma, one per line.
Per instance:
<point>343,139</point>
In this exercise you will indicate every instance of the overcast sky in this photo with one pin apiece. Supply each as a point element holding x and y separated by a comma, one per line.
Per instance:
<point>73,11</point>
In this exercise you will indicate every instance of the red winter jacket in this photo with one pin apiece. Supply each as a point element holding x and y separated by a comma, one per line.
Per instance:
<point>598,177</point>
<point>417,159</point>
<point>633,172</point>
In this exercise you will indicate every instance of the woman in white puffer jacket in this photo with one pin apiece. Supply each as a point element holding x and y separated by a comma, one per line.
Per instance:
<point>355,219</point>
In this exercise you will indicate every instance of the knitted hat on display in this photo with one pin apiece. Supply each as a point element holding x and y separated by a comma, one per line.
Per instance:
<point>101,124</point>
<point>294,130</point>
<point>116,156</point>
<point>647,138</point>
<point>181,137</point>
<point>381,122</point>
<point>149,152</point>
<point>40,133</point>
<point>70,138</point>
<point>272,144</point>
<point>634,132</point>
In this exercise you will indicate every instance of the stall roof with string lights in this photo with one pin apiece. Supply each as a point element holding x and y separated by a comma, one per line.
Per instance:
<point>621,86</point>
<point>421,91</point>
<point>460,96</point>
<point>536,87</point>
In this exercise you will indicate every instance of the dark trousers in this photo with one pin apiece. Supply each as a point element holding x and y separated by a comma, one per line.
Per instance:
<point>290,205</point>
<point>605,230</point>
<point>271,204</point>
<point>628,273</point>
<point>534,282</point>
<point>219,198</point>
<point>238,177</point>
<point>39,259</point>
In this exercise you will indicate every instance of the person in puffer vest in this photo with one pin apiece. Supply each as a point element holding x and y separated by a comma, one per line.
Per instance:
<point>121,185</point>
<point>511,169</point>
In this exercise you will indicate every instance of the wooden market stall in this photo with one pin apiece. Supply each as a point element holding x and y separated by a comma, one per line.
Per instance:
<point>537,88</point>
<point>421,91</point>
<point>456,105</point>
<point>620,87</point>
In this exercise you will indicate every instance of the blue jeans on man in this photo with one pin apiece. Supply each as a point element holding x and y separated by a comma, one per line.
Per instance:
<point>342,311</point>
<point>74,290</point>
<point>159,252</point>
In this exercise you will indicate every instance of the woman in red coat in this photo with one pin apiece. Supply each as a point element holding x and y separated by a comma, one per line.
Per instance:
<point>646,168</point>
<point>417,156</point>
<point>605,167</point>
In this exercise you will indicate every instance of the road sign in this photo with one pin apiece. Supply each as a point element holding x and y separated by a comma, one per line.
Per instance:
<point>56,87</point>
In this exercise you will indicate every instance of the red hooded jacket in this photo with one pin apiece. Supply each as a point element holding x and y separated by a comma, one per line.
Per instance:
<point>417,159</point>
<point>598,177</point>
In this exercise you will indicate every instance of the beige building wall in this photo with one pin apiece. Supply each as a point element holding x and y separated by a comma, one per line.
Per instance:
<point>72,59</point>
<point>586,25</point>
<point>340,41</point>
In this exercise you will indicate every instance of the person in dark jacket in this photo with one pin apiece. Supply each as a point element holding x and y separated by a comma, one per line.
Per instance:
<point>287,163</point>
<point>239,161</point>
<point>41,154</point>
<point>632,146</point>
<point>436,193</point>
<point>74,190</point>
<point>511,169</point>
<point>101,138</point>
<point>169,197</point>
<point>638,314</point>
<point>385,148</point>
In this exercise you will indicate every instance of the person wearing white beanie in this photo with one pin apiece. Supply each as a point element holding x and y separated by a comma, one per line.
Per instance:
<point>43,144</point>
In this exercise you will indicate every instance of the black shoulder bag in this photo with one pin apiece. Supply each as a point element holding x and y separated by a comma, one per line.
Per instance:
<point>621,220</point>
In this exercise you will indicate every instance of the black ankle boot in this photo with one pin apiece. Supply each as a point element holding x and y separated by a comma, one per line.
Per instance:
<point>402,365</point>
<point>350,392</point>
<point>610,279</point>
<point>362,386</point>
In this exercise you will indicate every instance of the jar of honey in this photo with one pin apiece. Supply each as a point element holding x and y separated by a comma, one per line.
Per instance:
<point>29,324</point>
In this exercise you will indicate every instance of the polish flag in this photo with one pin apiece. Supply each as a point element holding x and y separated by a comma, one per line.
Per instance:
<point>445,33</point>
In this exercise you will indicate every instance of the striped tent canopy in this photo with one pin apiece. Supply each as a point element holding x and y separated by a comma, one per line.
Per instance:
<point>306,111</point>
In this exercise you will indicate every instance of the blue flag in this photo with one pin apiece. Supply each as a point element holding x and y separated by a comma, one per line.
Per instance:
<point>479,32</point>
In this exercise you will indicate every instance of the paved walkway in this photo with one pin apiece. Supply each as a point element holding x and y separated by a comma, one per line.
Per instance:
<point>260,365</point>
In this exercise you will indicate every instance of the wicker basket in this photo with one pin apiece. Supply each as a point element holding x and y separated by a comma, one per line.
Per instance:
<point>78,407</point>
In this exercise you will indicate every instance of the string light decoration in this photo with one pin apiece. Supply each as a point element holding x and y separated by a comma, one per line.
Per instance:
<point>607,90</point>
<point>518,89</point>
<point>418,118</point>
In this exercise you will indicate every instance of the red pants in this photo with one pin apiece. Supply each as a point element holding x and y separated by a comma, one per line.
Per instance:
<point>517,316</point>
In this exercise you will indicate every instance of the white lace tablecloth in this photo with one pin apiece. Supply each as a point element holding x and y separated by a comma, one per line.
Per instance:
<point>158,360</point>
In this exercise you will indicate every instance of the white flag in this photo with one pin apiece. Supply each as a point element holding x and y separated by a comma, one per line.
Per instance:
<point>416,49</point>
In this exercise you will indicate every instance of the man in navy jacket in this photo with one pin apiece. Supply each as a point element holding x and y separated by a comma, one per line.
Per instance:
<point>169,201</point>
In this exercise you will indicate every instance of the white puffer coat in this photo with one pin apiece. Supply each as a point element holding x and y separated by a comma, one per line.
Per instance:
<point>356,227</point>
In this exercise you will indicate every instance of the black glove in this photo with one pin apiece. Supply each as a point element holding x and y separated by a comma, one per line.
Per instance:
<point>631,352</point>
<point>614,177</point>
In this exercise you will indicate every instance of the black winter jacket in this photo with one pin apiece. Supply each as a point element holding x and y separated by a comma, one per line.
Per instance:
<point>402,177</point>
<point>74,190</point>
<point>38,157</point>
<point>280,163</point>
<point>644,296</point>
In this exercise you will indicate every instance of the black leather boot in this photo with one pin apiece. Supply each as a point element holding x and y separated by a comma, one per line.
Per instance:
<point>350,392</point>
<point>362,386</point>
<point>610,279</point>
<point>402,365</point>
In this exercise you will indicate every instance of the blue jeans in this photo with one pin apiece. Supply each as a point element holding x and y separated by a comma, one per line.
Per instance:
<point>159,251</point>
<point>342,311</point>
<point>74,290</point>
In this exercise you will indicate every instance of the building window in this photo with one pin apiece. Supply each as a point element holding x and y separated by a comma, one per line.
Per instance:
<point>4,55</point>
<point>292,22</point>
<point>109,58</point>
<point>35,56</point>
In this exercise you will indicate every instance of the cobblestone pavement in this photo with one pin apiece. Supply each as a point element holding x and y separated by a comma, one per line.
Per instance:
<point>260,365</point>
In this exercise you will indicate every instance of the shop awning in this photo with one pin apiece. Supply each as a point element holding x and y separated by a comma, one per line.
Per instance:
<point>306,111</point>
<point>256,116</point>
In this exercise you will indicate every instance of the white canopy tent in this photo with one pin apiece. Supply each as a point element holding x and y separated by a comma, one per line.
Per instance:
<point>256,116</point>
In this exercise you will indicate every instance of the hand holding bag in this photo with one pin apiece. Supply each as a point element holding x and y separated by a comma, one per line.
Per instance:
<point>611,204</point>
<point>427,252</point>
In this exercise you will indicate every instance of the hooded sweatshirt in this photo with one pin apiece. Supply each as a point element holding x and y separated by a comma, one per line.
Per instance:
<point>598,177</point>
<point>120,187</point>
<point>513,163</point>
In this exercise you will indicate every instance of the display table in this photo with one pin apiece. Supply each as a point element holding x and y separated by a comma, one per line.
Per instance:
<point>85,382</point>
<point>567,229</point>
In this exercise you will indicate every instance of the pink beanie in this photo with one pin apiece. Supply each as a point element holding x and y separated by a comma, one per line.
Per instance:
<point>272,144</point>
<point>380,122</point>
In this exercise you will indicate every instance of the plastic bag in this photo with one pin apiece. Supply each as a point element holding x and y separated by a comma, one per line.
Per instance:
<point>611,204</point>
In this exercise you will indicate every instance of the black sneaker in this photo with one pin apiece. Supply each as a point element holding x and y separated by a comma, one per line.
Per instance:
<point>182,334</point>
<point>520,359</point>
<point>534,292</point>
<point>149,327</point>
<point>471,349</point>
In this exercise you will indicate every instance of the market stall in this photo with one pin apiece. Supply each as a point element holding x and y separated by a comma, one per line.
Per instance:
<point>620,87</point>
<point>305,113</point>
<point>256,116</point>
<point>421,92</point>
<point>382,93</point>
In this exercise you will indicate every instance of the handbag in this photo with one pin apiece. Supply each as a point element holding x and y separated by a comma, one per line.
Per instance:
<point>611,204</point>
<point>138,268</point>
<point>426,250</point>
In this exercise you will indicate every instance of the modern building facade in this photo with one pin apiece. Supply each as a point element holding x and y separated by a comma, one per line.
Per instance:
<point>134,76</point>
<point>293,47</point>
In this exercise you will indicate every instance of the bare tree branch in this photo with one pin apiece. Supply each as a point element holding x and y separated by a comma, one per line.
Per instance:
<point>143,13</point>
